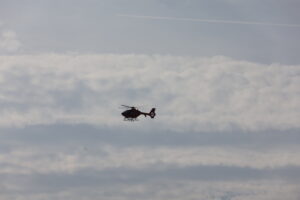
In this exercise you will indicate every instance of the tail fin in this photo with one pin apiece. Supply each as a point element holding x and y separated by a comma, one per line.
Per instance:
<point>152,113</point>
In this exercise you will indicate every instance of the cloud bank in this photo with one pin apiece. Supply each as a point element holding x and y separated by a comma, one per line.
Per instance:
<point>131,173</point>
<point>225,129</point>
<point>190,93</point>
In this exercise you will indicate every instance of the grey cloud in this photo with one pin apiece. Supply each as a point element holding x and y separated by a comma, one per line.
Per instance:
<point>123,182</point>
<point>85,134</point>
<point>69,148</point>
<point>203,173</point>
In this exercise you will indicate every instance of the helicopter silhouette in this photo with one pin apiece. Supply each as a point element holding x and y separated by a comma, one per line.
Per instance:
<point>133,113</point>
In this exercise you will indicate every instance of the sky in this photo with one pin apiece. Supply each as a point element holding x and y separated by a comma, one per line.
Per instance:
<point>226,95</point>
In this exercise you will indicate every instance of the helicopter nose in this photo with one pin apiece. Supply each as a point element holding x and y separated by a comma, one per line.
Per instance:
<point>123,113</point>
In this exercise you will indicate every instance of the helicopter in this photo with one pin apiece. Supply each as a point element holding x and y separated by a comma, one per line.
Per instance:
<point>132,113</point>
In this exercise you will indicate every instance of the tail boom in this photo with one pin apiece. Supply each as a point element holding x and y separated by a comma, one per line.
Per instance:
<point>151,113</point>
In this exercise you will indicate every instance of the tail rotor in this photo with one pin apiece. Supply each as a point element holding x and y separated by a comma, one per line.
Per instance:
<point>152,113</point>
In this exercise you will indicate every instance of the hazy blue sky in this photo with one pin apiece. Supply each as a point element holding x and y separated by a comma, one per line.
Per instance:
<point>93,27</point>
<point>227,99</point>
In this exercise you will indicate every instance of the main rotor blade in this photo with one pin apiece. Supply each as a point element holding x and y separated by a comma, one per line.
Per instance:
<point>128,106</point>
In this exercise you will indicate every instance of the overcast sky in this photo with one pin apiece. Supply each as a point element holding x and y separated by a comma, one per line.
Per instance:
<point>224,76</point>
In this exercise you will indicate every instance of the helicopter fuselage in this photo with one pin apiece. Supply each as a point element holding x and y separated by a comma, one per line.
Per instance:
<point>132,113</point>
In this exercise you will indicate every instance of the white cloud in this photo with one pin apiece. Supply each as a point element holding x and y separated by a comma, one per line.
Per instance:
<point>8,41</point>
<point>190,93</point>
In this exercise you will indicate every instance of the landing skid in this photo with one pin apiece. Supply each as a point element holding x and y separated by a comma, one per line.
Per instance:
<point>130,119</point>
